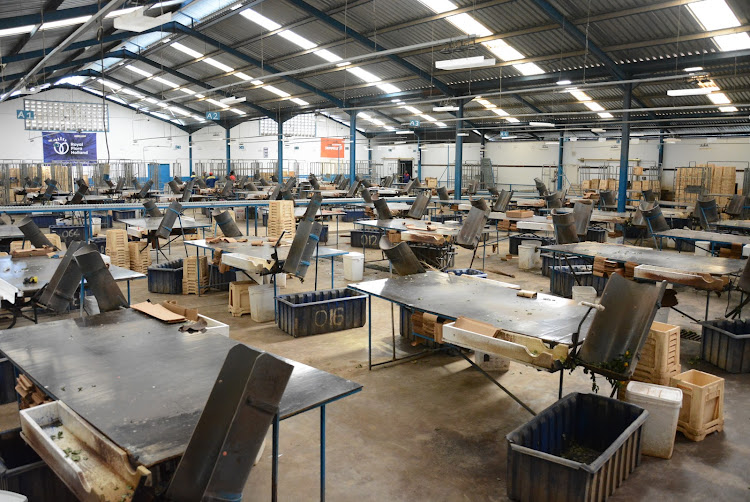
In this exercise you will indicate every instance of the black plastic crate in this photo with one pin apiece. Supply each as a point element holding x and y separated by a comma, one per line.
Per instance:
<point>365,239</point>
<point>442,218</point>
<point>100,242</point>
<point>351,215</point>
<point>23,471</point>
<point>324,235</point>
<point>548,260</point>
<point>561,280</point>
<point>69,233</point>
<point>515,240</point>
<point>219,281</point>
<point>440,257</point>
<point>7,382</point>
<point>583,447</point>
<point>166,278</point>
<point>118,214</point>
<point>317,312</point>
<point>43,220</point>
<point>726,344</point>
<point>596,234</point>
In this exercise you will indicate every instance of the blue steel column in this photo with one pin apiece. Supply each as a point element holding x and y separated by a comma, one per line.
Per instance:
<point>660,162</point>
<point>419,158</point>
<point>622,193</point>
<point>190,152</point>
<point>352,145</point>
<point>280,146</point>
<point>229,153</point>
<point>459,151</point>
<point>560,171</point>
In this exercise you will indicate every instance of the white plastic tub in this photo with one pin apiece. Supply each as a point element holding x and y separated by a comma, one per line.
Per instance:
<point>663,405</point>
<point>261,302</point>
<point>96,225</point>
<point>354,266</point>
<point>529,257</point>
<point>702,247</point>
<point>584,294</point>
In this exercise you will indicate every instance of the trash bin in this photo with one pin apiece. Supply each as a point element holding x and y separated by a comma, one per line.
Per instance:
<point>663,405</point>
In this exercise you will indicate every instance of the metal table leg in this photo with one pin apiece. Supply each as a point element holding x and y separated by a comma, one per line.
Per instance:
<point>275,460</point>
<point>323,453</point>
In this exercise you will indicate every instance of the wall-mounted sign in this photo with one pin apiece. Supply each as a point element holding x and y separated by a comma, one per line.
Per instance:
<point>414,123</point>
<point>265,152</point>
<point>213,115</point>
<point>504,134</point>
<point>25,114</point>
<point>62,146</point>
<point>332,148</point>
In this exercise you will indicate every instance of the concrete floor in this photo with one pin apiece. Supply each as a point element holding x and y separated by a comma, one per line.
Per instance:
<point>434,428</point>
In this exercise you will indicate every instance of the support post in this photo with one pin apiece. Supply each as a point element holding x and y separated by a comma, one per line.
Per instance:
<point>660,162</point>
<point>560,171</point>
<point>352,145</point>
<point>457,182</point>
<point>229,153</point>
<point>190,152</point>
<point>280,146</point>
<point>622,193</point>
<point>419,158</point>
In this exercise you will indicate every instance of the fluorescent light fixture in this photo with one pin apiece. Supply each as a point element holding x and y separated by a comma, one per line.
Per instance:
<point>232,100</point>
<point>259,19</point>
<point>137,70</point>
<point>404,132</point>
<point>277,91</point>
<point>411,109</point>
<point>508,137</point>
<point>297,40</point>
<point>9,32</point>
<point>503,50</point>
<point>444,108</point>
<point>243,76</point>
<point>428,118</point>
<point>187,50</point>
<point>257,82</point>
<point>606,115</point>
<point>733,42</point>
<point>500,112</point>
<point>236,6</point>
<point>399,142</point>
<point>727,109</point>
<point>327,55</point>
<point>594,106</point>
<point>187,91</point>
<point>462,134</point>
<point>713,14</point>
<point>389,88</point>
<point>512,120</point>
<point>598,129</point>
<point>580,95</point>
<point>441,124</point>
<point>528,68</point>
<point>719,98</point>
<point>216,103</point>
<point>469,25</point>
<point>563,82</point>
<point>299,101</point>
<point>166,82</point>
<point>464,63</point>
<point>236,111</point>
<point>541,124</point>
<point>64,22</point>
<point>439,6</point>
<point>694,68</point>
<point>692,92</point>
<point>364,75</point>
<point>218,64</point>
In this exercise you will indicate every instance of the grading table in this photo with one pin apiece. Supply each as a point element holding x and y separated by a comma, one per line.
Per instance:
<point>713,238</point>
<point>143,384</point>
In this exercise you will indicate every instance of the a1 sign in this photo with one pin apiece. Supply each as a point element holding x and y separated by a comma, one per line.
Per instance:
<point>213,115</point>
<point>504,134</point>
<point>414,123</point>
<point>25,114</point>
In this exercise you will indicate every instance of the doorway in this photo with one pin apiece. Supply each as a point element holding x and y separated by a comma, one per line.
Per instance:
<point>405,166</point>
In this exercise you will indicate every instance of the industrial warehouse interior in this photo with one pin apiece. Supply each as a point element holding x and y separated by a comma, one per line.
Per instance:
<point>374,250</point>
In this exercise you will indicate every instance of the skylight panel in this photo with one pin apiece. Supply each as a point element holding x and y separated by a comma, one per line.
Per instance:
<point>298,40</point>
<point>277,91</point>
<point>328,55</point>
<point>594,106</point>
<point>500,112</point>
<point>187,50</point>
<point>216,103</point>
<point>299,101</point>
<point>412,110</point>
<point>9,32</point>
<point>714,14</point>
<point>469,25</point>
<point>243,76</point>
<point>64,22</point>
<point>439,6</point>
<point>606,115</point>
<point>389,88</point>
<point>187,91</point>
<point>166,82</point>
<point>502,50</point>
<point>260,19</point>
<point>734,42</point>
<point>580,95</point>
<point>719,98</point>
<point>364,75</point>
<point>217,64</point>
<point>528,68</point>
<point>512,120</point>
<point>137,70</point>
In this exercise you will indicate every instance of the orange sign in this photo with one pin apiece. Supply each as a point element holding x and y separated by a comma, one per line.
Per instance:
<point>332,148</point>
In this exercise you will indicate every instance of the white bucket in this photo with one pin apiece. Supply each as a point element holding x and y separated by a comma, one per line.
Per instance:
<point>529,257</point>
<point>746,251</point>
<point>261,302</point>
<point>91,305</point>
<point>96,225</point>
<point>62,221</point>
<point>702,247</point>
<point>354,266</point>
<point>584,294</point>
<point>663,405</point>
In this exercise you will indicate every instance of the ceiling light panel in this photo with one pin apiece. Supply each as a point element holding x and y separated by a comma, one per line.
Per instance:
<point>713,14</point>
<point>218,64</point>
<point>187,50</point>
<point>260,19</point>
<point>297,40</point>
<point>719,98</point>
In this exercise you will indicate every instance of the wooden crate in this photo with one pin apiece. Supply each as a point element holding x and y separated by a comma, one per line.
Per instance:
<point>660,356</point>
<point>190,274</point>
<point>702,409</point>
<point>140,256</point>
<point>116,248</point>
<point>239,297</point>
<point>281,218</point>
<point>594,184</point>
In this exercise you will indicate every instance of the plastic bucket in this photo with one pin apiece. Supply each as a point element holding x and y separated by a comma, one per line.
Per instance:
<point>529,257</point>
<point>584,294</point>
<point>702,247</point>
<point>746,251</point>
<point>354,266</point>
<point>663,405</point>
<point>261,302</point>
<point>96,225</point>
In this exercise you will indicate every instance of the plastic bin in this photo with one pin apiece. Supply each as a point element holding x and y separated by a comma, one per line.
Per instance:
<point>165,278</point>
<point>528,257</point>
<point>663,405</point>
<point>261,302</point>
<point>561,280</point>
<point>23,471</point>
<point>702,248</point>
<point>100,242</point>
<point>581,448</point>
<point>118,214</point>
<point>702,404</point>
<point>354,266</point>
<point>317,312</point>
<point>69,233</point>
<point>7,382</point>
<point>548,260</point>
<point>584,294</point>
<point>726,344</point>
<point>467,271</point>
<point>516,240</point>
<point>43,220</point>
<point>219,281</point>
<point>365,239</point>
<point>351,215</point>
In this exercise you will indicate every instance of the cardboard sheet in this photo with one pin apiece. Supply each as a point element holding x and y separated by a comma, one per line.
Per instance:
<point>159,312</point>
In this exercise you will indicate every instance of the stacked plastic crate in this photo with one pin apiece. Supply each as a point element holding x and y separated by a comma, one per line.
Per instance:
<point>117,248</point>
<point>194,275</point>
<point>140,256</point>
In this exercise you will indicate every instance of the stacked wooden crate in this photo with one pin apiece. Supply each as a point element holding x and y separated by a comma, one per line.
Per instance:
<point>281,218</point>
<point>723,179</point>
<point>685,177</point>
<point>117,248</point>
<point>194,268</point>
<point>140,256</point>
<point>605,268</point>
<point>28,393</point>
<point>239,297</point>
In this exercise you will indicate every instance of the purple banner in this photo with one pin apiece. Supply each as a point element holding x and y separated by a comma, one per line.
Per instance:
<point>69,146</point>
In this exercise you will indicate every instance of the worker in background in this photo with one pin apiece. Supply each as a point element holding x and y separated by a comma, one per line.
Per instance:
<point>232,176</point>
<point>192,176</point>
<point>211,180</point>
<point>406,177</point>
